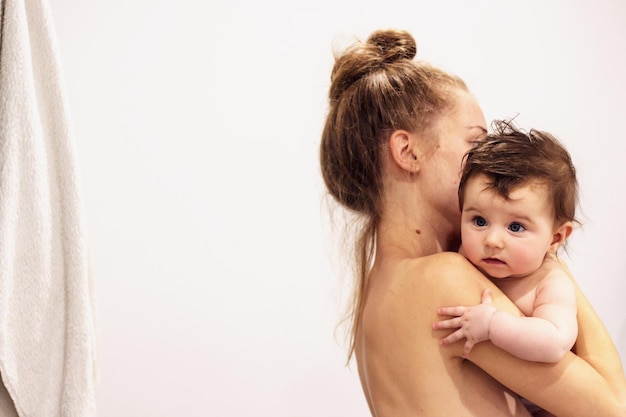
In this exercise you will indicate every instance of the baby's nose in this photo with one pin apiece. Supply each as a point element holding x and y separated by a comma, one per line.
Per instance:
<point>494,239</point>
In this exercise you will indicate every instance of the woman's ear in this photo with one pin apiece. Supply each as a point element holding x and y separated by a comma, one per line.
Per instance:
<point>560,236</point>
<point>404,151</point>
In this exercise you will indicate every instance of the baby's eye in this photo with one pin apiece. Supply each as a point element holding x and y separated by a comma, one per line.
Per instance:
<point>480,221</point>
<point>516,227</point>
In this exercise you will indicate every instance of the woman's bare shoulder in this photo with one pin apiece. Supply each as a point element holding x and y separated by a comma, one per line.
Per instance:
<point>445,269</point>
<point>451,280</point>
<point>446,260</point>
<point>441,278</point>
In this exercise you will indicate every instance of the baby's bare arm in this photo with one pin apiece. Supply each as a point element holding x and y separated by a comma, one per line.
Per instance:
<point>544,336</point>
<point>551,330</point>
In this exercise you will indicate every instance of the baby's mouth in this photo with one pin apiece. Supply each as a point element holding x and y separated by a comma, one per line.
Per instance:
<point>493,261</point>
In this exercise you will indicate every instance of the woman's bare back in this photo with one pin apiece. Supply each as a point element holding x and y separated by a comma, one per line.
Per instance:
<point>403,369</point>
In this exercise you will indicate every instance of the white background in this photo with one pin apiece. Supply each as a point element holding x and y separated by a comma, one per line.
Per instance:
<point>197,124</point>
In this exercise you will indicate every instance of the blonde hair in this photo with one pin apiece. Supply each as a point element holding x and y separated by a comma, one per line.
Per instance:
<point>376,88</point>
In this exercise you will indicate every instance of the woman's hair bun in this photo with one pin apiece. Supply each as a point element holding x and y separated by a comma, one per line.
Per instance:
<point>382,48</point>
<point>393,45</point>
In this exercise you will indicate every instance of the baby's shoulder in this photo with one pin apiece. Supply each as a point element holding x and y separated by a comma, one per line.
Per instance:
<point>554,281</point>
<point>552,270</point>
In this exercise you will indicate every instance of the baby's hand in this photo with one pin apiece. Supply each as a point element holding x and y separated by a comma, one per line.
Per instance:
<point>472,322</point>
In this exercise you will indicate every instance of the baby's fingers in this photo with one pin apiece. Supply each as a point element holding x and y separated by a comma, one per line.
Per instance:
<point>486,296</point>
<point>467,348</point>
<point>454,337</point>
<point>451,311</point>
<point>453,323</point>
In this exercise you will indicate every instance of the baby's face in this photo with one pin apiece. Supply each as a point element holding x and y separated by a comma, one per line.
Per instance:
<point>506,237</point>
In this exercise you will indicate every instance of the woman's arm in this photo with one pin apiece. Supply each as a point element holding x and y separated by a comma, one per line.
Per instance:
<point>594,343</point>
<point>585,385</point>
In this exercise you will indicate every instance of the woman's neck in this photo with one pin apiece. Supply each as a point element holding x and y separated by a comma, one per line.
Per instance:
<point>411,226</point>
<point>413,236</point>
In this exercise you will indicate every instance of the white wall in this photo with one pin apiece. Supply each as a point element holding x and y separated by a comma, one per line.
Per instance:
<point>198,124</point>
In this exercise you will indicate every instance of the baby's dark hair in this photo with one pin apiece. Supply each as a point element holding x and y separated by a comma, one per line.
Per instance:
<point>510,158</point>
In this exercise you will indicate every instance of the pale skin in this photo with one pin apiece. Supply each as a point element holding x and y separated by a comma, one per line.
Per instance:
<point>514,241</point>
<point>403,369</point>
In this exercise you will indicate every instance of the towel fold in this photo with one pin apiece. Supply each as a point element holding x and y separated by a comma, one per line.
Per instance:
<point>47,324</point>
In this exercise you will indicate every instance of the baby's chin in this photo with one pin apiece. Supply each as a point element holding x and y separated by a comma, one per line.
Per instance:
<point>494,269</point>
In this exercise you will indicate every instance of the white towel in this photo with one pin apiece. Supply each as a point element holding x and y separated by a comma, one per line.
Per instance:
<point>47,323</point>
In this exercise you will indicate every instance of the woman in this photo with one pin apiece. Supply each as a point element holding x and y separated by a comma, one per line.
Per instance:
<point>391,153</point>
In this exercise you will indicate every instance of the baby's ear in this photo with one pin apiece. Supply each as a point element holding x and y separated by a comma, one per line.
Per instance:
<point>560,236</point>
<point>404,151</point>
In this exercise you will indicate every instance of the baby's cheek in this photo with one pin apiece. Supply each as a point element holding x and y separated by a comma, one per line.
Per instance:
<point>528,258</point>
<point>471,249</point>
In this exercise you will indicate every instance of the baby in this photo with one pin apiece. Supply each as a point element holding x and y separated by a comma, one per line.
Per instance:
<point>518,196</point>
